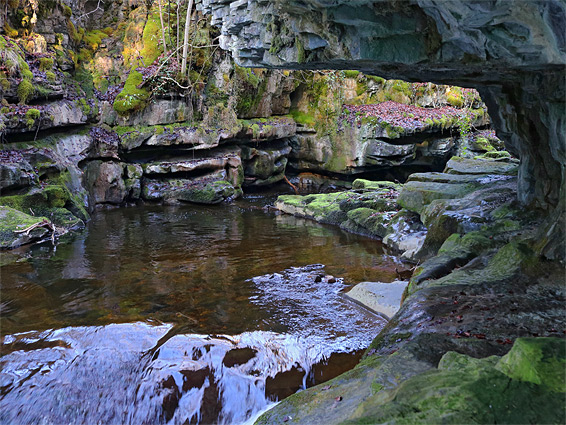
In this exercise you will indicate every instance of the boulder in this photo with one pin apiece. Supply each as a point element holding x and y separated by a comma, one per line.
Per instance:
<point>266,164</point>
<point>12,222</point>
<point>105,183</point>
<point>209,189</point>
<point>382,298</point>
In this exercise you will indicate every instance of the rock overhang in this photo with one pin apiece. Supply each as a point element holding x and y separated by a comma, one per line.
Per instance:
<point>514,53</point>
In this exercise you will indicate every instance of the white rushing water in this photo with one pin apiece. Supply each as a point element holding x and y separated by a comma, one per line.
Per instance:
<point>138,373</point>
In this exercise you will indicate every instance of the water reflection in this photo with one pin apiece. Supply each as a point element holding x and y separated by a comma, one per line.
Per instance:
<point>168,263</point>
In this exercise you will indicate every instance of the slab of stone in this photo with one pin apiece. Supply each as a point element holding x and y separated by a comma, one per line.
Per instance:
<point>458,165</point>
<point>383,298</point>
<point>416,195</point>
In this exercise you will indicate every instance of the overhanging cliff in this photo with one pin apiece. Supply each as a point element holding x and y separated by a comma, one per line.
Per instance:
<point>514,53</point>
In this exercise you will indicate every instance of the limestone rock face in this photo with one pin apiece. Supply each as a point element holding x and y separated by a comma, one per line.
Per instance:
<point>513,52</point>
<point>105,182</point>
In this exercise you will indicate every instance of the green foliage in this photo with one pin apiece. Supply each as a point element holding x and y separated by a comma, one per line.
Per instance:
<point>51,77</point>
<point>25,91</point>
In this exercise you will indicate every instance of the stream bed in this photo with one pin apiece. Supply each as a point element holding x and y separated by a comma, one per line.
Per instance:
<point>181,314</point>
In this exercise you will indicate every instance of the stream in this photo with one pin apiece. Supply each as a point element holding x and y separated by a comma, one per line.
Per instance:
<point>181,314</point>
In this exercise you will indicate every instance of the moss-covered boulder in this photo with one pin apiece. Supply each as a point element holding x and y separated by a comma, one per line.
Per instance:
<point>541,361</point>
<point>368,222</point>
<point>416,195</point>
<point>52,201</point>
<point>464,390</point>
<point>375,185</point>
<point>13,222</point>
<point>324,207</point>
<point>209,190</point>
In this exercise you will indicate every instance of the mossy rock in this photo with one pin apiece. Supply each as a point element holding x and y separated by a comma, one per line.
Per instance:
<point>458,165</point>
<point>189,191</point>
<point>372,200</point>
<point>323,207</point>
<point>53,202</point>
<point>498,155</point>
<point>462,390</point>
<point>212,193</point>
<point>53,196</point>
<point>508,262</point>
<point>372,222</point>
<point>416,195</point>
<point>541,361</point>
<point>374,185</point>
<point>11,221</point>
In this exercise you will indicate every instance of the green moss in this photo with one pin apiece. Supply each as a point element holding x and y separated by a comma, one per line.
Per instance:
<point>33,114</point>
<point>74,35</point>
<point>67,11</point>
<point>462,390</point>
<point>376,79</point>
<point>25,91</point>
<point>12,220</point>
<point>402,87</point>
<point>51,77</point>
<point>46,64</point>
<point>212,193</point>
<point>494,155</point>
<point>151,36</point>
<point>251,91</point>
<point>301,57</point>
<point>541,361</point>
<point>454,97</point>
<point>4,82</point>
<point>374,185</point>
<point>351,74</point>
<point>94,38</point>
<point>131,98</point>
<point>303,118</point>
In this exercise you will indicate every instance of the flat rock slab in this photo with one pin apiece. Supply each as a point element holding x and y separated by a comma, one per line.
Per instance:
<point>458,165</point>
<point>383,298</point>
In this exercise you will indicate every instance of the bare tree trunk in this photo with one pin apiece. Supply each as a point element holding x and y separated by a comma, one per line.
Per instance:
<point>178,29</point>
<point>186,39</point>
<point>162,26</point>
<point>169,19</point>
